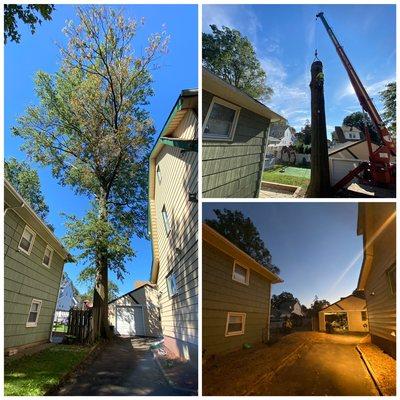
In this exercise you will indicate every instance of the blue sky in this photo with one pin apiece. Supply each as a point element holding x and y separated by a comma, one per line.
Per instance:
<point>315,245</point>
<point>39,52</point>
<point>285,37</point>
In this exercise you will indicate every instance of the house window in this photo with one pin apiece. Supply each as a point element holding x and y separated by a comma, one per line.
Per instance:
<point>48,255</point>
<point>34,312</point>
<point>391,277</point>
<point>235,324</point>
<point>240,274</point>
<point>363,315</point>
<point>171,285</point>
<point>158,174</point>
<point>165,217</point>
<point>221,120</point>
<point>27,240</point>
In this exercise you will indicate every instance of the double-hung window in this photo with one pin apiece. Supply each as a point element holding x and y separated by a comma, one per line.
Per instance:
<point>235,324</point>
<point>240,274</point>
<point>48,256</point>
<point>34,312</point>
<point>158,174</point>
<point>166,222</point>
<point>27,240</point>
<point>221,120</point>
<point>171,284</point>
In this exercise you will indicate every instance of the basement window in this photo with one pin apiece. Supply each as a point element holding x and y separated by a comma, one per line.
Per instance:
<point>171,284</point>
<point>34,312</point>
<point>221,120</point>
<point>158,174</point>
<point>167,225</point>
<point>27,240</point>
<point>235,324</point>
<point>48,256</point>
<point>391,278</point>
<point>240,274</point>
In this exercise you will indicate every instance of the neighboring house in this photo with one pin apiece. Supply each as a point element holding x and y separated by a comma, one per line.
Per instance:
<point>349,312</point>
<point>289,308</point>
<point>235,136</point>
<point>66,299</point>
<point>136,313</point>
<point>173,226</point>
<point>33,268</point>
<point>344,134</point>
<point>236,296</point>
<point>377,225</point>
<point>343,158</point>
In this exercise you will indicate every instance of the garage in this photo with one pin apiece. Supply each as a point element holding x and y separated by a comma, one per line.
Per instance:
<point>129,321</point>
<point>136,313</point>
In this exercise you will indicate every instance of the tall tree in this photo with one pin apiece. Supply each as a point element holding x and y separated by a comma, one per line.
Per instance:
<point>31,14</point>
<point>113,292</point>
<point>318,304</point>
<point>388,96</point>
<point>356,120</point>
<point>27,183</point>
<point>304,136</point>
<point>278,299</point>
<point>244,234</point>
<point>91,127</point>
<point>232,57</point>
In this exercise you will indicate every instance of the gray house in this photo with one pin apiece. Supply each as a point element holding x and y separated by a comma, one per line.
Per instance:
<point>236,296</point>
<point>33,268</point>
<point>235,135</point>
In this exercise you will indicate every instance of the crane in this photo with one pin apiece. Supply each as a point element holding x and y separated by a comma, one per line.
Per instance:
<point>379,170</point>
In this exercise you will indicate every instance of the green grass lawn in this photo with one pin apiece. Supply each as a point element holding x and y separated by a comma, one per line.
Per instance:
<point>291,176</point>
<point>35,374</point>
<point>60,328</point>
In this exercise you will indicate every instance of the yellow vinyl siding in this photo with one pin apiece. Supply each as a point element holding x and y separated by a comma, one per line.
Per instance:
<point>178,249</point>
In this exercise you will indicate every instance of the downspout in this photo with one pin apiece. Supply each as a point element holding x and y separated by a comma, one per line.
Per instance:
<point>269,313</point>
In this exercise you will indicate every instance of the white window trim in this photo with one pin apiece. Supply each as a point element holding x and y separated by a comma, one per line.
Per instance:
<point>225,103</point>
<point>167,231</point>
<point>51,256</point>
<point>34,324</point>
<point>158,173</point>
<point>247,273</point>
<point>172,273</point>
<point>30,230</point>
<point>235,314</point>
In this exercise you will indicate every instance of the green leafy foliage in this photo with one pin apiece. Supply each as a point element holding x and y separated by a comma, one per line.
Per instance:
<point>31,14</point>
<point>317,305</point>
<point>242,232</point>
<point>278,299</point>
<point>232,57</point>
<point>113,291</point>
<point>27,183</point>
<point>92,128</point>
<point>304,136</point>
<point>388,96</point>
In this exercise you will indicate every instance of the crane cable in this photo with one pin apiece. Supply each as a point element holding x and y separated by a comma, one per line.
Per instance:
<point>315,41</point>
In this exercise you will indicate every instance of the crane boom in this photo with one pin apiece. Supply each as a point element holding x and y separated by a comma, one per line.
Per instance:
<point>362,95</point>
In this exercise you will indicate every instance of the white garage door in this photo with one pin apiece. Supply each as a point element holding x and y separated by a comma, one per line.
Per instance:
<point>129,321</point>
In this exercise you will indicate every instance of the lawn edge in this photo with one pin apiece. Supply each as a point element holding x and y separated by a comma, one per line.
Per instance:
<point>370,371</point>
<point>51,391</point>
<point>170,382</point>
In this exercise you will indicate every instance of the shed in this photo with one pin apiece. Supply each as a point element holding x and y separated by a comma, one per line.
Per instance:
<point>348,314</point>
<point>236,296</point>
<point>235,135</point>
<point>136,313</point>
<point>377,225</point>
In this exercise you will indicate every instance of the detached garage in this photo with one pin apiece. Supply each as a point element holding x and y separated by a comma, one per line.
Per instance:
<point>136,313</point>
<point>348,314</point>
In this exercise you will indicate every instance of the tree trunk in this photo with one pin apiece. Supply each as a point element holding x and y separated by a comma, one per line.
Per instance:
<point>320,185</point>
<point>100,298</point>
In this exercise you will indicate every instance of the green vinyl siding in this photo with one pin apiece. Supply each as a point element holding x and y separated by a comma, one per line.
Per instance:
<point>26,278</point>
<point>221,295</point>
<point>234,168</point>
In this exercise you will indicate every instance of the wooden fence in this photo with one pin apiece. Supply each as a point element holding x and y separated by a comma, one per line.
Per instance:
<point>80,325</point>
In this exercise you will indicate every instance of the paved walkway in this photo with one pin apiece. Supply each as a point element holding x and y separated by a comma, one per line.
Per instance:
<point>125,367</point>
<point>328,367</point>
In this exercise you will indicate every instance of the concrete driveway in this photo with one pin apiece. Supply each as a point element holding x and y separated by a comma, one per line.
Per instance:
<point>326,366</point>
<point>125,367</point>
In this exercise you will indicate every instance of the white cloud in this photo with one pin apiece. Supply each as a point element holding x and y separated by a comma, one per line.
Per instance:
<point>372,89</point>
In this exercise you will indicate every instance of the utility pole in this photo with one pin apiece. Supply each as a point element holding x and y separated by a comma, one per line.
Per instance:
<point>320,185</point>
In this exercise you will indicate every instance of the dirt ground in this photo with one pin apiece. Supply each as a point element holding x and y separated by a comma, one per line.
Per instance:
<point>302,363</point>
<point>383,366</point>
